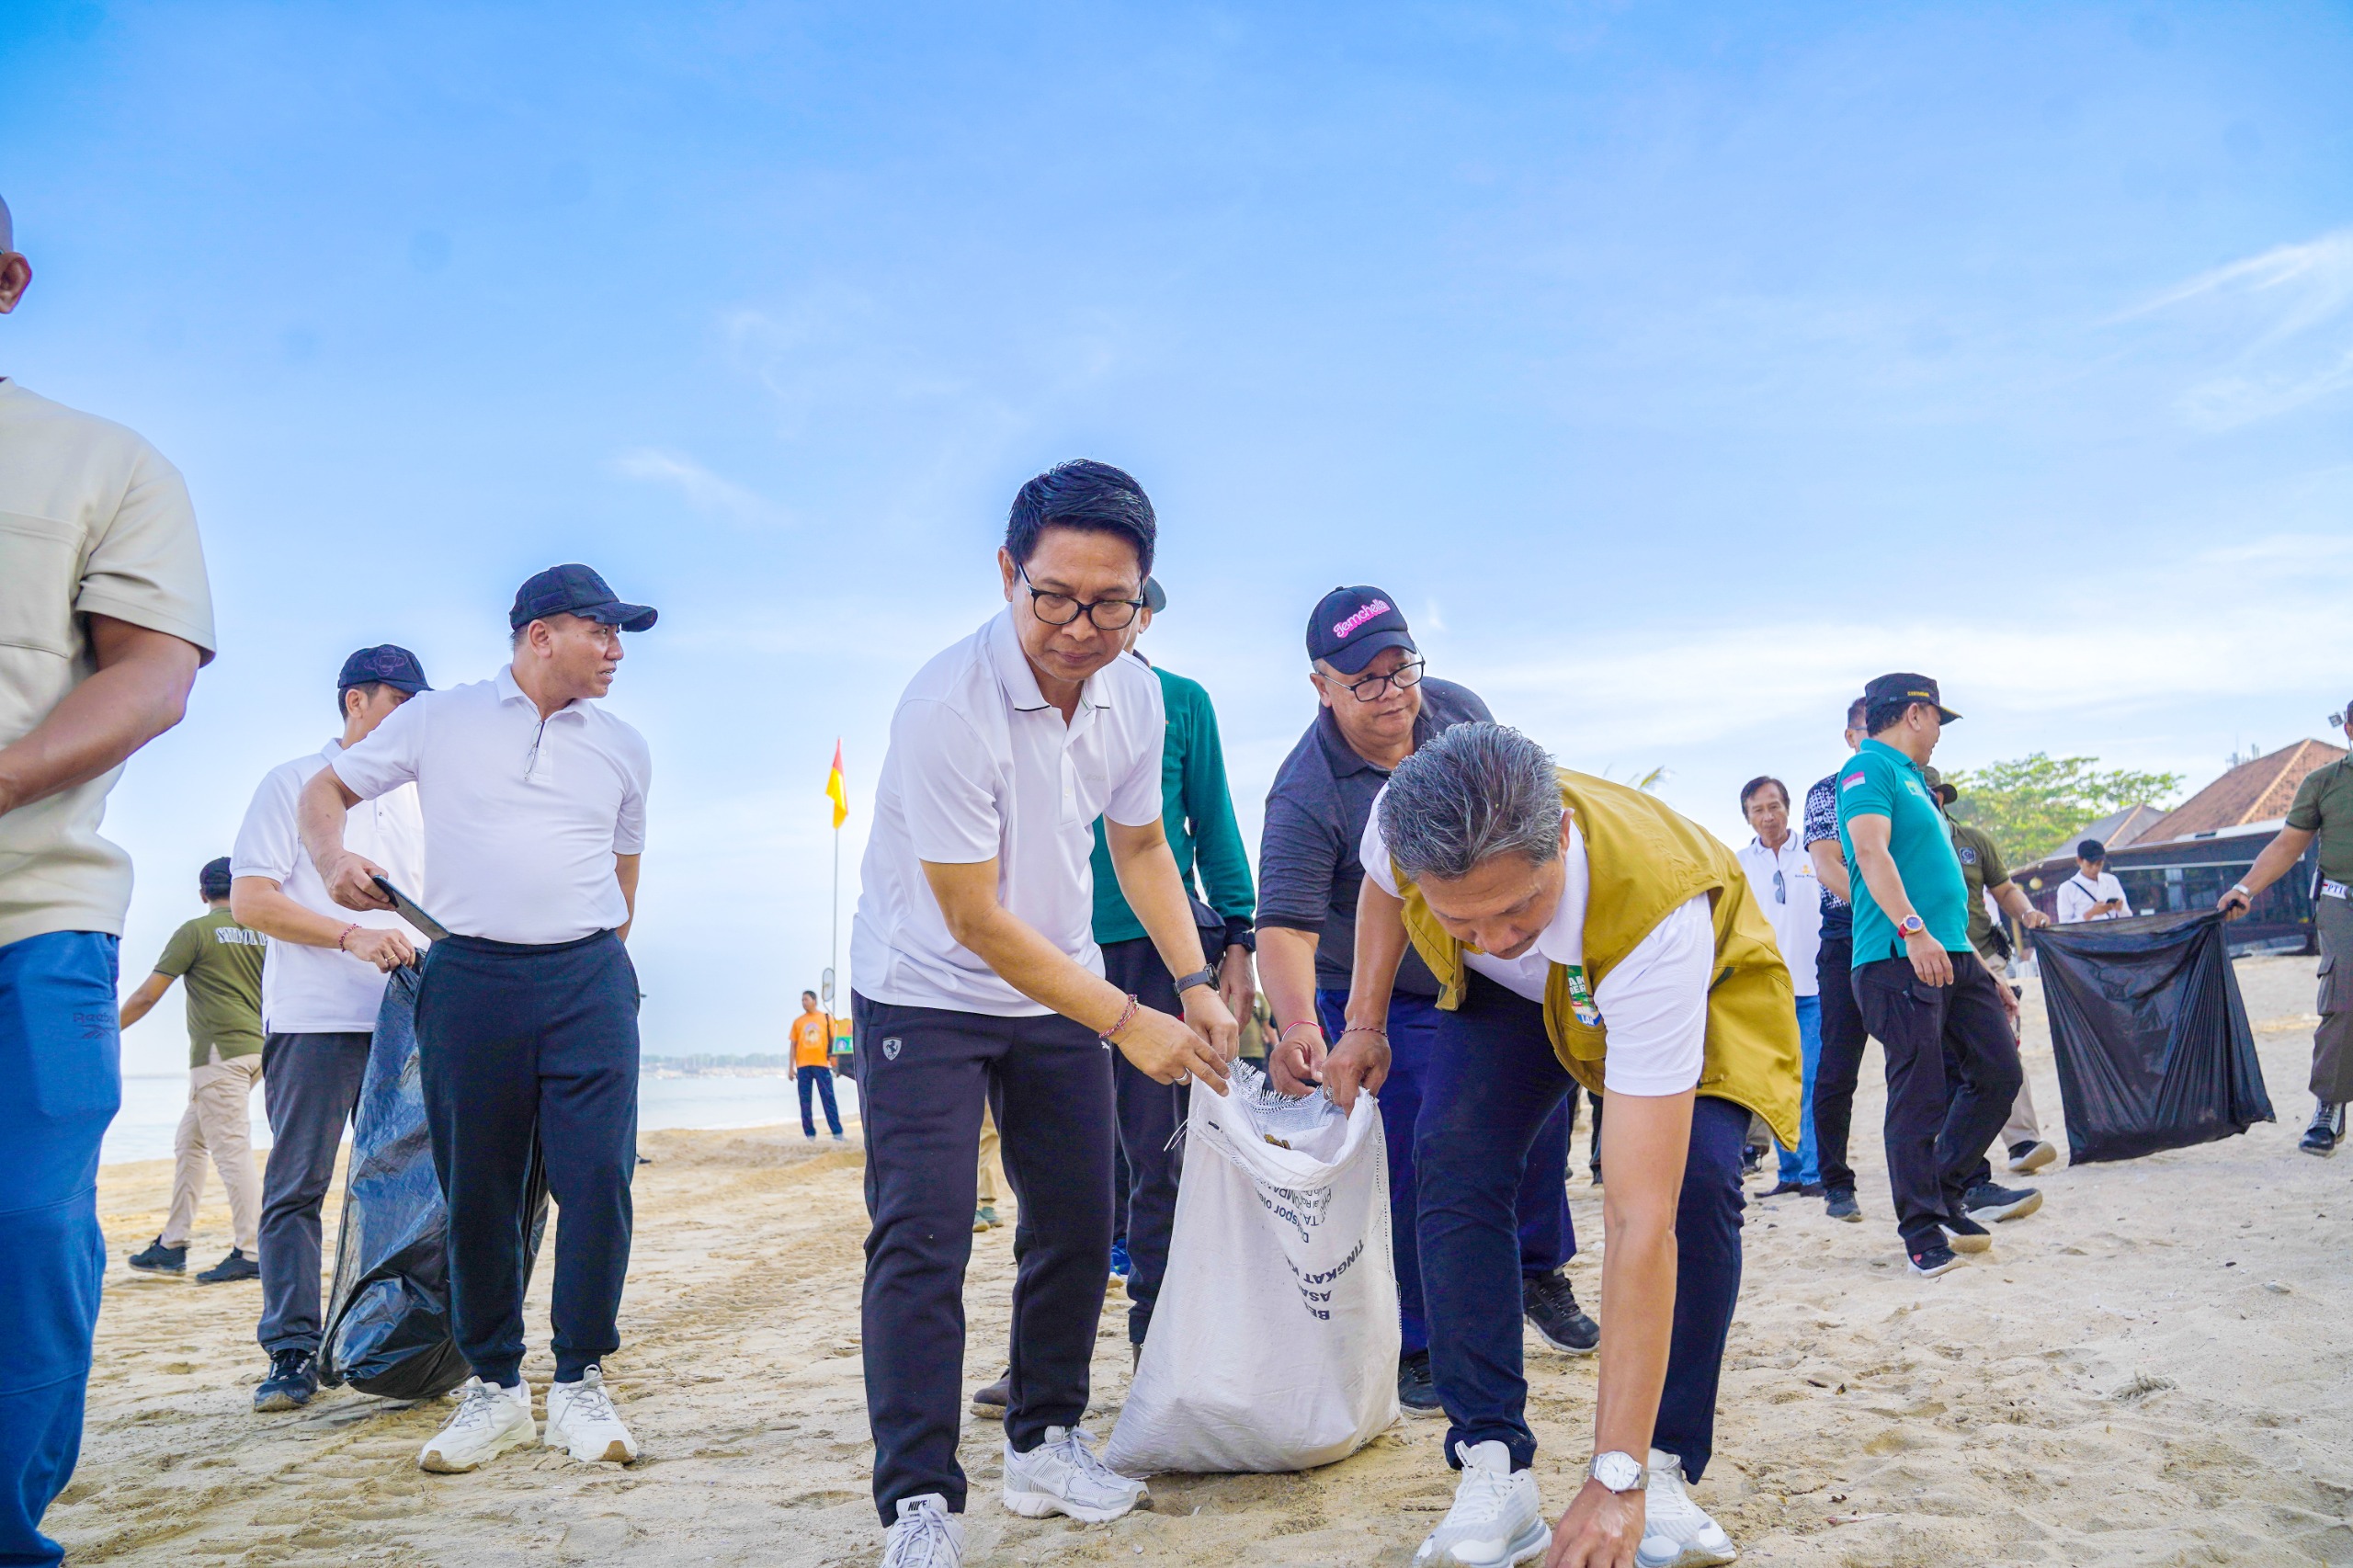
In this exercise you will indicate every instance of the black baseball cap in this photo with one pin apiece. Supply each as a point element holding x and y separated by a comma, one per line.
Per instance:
<point>1350,625</point>
<point>1903,687</point>
<point>387,664</point>
<point>576,590</point>
<point>1156,597</point>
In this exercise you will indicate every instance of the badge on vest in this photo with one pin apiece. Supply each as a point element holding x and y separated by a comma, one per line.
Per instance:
<point>1581,997</point>
<point>2335,890</point>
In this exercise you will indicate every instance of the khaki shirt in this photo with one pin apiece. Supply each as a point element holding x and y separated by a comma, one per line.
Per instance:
<point>93,521</point>
<point>1981,867</point>
<point>2324,805</point>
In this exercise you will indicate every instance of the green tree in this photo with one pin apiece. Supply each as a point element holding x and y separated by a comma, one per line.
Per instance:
<point>2034,805</point>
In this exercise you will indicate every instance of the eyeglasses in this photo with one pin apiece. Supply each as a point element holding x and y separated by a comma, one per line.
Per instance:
<point>1373,688</point>
<point>1781,887</point>
<point>1061,609</point>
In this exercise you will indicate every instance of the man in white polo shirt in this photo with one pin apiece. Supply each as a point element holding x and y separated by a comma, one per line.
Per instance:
<point>979,981</point>
<point>320,993</point>
<point>534,808</point>
<point>105,615</point>
<point>1782,878</point>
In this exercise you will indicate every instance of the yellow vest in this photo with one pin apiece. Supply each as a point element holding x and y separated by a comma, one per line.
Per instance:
<point>1645,861</point>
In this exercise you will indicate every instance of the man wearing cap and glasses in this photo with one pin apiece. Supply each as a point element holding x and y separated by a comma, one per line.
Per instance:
<point>320,992</point>
<point>1782,878</point>
<point>2323,809</point>
<point>1922,992</point>
<point>1375,709</point>
<point>978,981</point>
<point>533,802</point>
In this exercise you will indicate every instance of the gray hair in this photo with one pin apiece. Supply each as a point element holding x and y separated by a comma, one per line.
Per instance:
<point>1476,791</point>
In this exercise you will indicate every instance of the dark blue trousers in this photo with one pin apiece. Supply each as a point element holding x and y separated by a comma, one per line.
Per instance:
<point>819,1079</point>
<point>1149,1114</point>
<point>1548,1238</point>
<point>61,1082</point>
<point>521,1046</point>
<point>923,1074</point>
<point>1493,1083</point>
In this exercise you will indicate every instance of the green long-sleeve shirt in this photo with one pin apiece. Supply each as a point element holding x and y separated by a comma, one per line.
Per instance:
<point>1196,812</point>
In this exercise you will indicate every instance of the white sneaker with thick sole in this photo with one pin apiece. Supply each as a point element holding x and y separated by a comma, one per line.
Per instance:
<point>489,1420</point>
<point>1677,1532</point>
<point>926,1536</point>
<point>1062,1475</point>
<point>1497,1519</point>
<point>582,1421</point>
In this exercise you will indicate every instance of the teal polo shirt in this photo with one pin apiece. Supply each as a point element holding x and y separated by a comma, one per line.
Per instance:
<point>1197,813</point>
<point>1880,781</point>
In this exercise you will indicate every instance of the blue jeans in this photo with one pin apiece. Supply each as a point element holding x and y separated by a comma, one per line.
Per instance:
<point>1493,1083</point>
<point>822,1080</point>
<point>61,1082</point>
<point>1548,1238</point>
<point>1800,1163</point>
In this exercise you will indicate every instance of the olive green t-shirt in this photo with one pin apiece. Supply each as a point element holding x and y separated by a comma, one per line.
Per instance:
<point>222,962</point>
<point>1981,867</point>
<point>2324,805</point>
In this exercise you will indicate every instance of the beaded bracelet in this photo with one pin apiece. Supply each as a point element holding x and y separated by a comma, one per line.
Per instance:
<point>348,930</point>
<point>1361,1029</point>
<point>1127,1016</point>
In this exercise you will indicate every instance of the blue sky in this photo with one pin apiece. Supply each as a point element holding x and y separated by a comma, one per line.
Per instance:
<point>1678,367</point>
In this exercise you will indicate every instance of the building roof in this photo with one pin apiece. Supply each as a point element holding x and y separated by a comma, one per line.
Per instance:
<point>2116,830</point>
<point>2253,792</point>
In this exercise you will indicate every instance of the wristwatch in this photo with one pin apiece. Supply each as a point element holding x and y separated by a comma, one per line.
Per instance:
<point>1910,926</point>
<point>1618,1471</point>
<point>1198,977</point>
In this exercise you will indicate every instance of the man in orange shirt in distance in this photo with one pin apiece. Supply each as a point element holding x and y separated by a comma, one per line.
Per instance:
<point>813,1046</point>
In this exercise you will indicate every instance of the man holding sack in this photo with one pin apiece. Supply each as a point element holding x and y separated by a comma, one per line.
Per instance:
<point>1581,932</point>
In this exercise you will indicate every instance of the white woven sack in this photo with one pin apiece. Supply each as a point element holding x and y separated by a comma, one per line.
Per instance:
<point>1274,1343</point>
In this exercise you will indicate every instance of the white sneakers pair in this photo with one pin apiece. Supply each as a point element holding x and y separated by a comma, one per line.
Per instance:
<point>1497,1519</point>
<point>490,1420</point>
<point>1061,1475</point>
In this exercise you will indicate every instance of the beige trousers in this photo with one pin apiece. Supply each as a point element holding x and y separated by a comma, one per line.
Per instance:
<point>987,1190</point>
<point>216,1123</point>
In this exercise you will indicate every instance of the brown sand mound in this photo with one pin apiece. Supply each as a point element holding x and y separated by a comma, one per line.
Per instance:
<point>2152,1371</point>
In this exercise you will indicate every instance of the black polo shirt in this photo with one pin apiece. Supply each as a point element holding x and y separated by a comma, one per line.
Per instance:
<point>1307,872</point>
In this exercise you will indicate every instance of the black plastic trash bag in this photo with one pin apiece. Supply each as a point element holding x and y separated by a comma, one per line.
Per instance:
<point>2154,1048</point>
<point>388,1313</point>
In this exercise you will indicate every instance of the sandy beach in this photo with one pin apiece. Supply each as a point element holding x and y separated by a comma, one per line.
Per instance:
<point>2152,1371</point>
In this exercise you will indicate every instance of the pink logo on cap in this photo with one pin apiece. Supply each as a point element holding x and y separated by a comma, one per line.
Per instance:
<point>1377,608</point>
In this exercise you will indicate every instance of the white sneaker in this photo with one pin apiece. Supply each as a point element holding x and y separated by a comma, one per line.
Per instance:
<point>926,1536</point>
<point>582,1422</point>
<point>489,1420</point>
<point>1677,1532</point>
<point>1062,1475</point>
<point>1498,1519</point>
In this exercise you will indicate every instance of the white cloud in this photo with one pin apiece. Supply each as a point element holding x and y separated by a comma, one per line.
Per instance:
<point>704,491</point>
<point>2279,323</point>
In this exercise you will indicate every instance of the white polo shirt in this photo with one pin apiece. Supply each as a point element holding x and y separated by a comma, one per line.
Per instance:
<point>307,989</point>
<point>981,766</point>
<point>1792,904</point>
<point>2078,893</point>
<point>1654,1004</point>
<point>522,817</point>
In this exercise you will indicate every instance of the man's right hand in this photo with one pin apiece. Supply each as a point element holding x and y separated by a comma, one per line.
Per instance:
<point>388,950</point>
<point>2234,904</point>
<point>1929,959</point>
<point>1359,1060</point>
<point>1295,1066</point>
<point>351,881</point>
<point>1164,1049</point>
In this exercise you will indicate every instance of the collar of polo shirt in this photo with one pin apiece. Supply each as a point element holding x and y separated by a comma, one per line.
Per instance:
<point>1020,679</point>
<point>510,691</point>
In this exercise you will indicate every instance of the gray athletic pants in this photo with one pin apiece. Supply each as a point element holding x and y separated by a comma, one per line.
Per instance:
<point>310,1083</point>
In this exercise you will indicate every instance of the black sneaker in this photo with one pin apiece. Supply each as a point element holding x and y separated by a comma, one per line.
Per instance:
<point>991,1399</point>
<point>1751,1159</point>
<point>1785,1188</point>
<point>157,1258</point>
<point>2031,1155</point>
<point>2321,1138</point>
<point>1987,1203</point>
<point>1551,1306</point>
<point>294,1379</point>
<point>1839,1204</point>
<point>1966,1235</point>
<point>231,1269</point>
<point>1933,1260</point>
<point>1417,1395</point>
